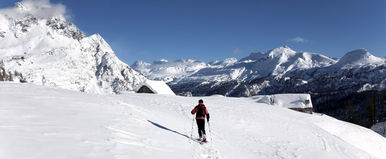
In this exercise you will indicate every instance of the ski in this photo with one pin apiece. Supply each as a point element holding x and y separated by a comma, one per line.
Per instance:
<point>201,141</point>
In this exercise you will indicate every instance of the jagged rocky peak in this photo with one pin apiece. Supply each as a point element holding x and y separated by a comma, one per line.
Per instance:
<point>230,60</point>
<point>64,27</point>
<point>20,6</point>
<point>357,58</point>
<point>281,51</point>
<point>97,44</point>
<point>27,15</point>
<point>40,9</point>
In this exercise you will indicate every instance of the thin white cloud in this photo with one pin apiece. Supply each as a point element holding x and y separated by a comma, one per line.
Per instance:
<point>39,8</point>
<point>298,40</point>
<point>237,51</point>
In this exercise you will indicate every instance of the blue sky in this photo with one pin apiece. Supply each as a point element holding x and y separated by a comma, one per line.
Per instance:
<point>217,29</point>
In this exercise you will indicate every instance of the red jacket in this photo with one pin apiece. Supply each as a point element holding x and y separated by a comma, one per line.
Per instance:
<point>200,111</point>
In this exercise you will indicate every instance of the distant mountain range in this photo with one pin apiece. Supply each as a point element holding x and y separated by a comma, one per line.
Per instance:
<point>352,88</point>
<point>278,70</point>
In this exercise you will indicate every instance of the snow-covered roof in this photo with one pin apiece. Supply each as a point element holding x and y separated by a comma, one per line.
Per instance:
<point>158,87</point>
<point>286,100</point>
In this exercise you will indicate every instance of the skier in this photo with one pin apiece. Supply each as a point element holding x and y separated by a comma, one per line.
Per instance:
<point>201,111</point>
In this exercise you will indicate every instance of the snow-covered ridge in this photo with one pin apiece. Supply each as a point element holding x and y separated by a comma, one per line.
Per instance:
<point>168,70</point>
<point>359,58</point>
<point>277,68</point>
<point>276,61</point>
<point>39,45</point>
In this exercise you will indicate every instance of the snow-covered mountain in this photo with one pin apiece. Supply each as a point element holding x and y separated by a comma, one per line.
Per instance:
<point>143,126</point>
<point>358,70</point>
<point>168,70</point>
<point>265,73</point>
<point>359,58</point>
<point>38,45</point>
<point>332,82</point>
<point>275,62</point>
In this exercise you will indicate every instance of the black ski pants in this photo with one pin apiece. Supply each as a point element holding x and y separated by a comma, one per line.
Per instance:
<point>201,126</point>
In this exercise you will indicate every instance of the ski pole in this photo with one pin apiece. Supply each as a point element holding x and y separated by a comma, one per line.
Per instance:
<point>191,131</point>
<point>210,132</point>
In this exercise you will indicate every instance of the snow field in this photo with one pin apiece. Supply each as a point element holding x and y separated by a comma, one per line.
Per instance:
<point>39,122</point>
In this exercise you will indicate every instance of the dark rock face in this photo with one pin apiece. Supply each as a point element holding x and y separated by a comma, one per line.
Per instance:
<point>365,108</point>
<point>2,34</point>
<point>145,89</point>
<point>10,76</point>
<point>25,23</point>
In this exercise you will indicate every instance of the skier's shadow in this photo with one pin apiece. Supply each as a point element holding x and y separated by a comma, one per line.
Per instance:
<point>165,128</point>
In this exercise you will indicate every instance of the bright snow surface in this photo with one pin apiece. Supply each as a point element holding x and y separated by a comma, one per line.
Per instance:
<point>37,122</point>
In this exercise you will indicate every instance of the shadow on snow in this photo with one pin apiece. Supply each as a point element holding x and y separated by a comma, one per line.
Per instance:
<point>165,128</point>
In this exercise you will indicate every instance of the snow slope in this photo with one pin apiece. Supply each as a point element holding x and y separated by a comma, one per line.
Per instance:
<point>39,45</point>
<point>44,123</point>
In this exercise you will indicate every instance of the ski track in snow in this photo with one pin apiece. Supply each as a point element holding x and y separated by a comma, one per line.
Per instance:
<point>203,151</point>
<point>206,151</point>
<point>323,141</point>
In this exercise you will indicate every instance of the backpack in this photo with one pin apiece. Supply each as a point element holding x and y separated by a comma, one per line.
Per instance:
<point>201,111</point>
